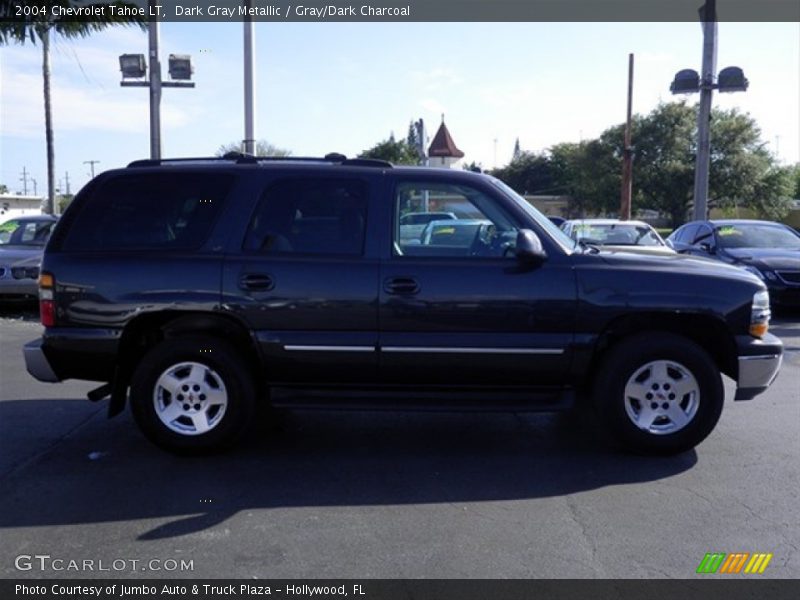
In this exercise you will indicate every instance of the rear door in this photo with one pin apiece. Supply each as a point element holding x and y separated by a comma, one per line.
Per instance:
<point>303,276</point>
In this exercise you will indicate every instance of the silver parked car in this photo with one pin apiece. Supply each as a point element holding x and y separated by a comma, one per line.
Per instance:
<point>22,242</point>
<point>613,234</point>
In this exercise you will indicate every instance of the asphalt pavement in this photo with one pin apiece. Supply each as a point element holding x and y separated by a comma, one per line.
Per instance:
<point>358,495</point>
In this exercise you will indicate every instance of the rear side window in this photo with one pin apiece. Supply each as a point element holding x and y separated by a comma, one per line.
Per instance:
<point>159,211</point>
<point>310,216</point>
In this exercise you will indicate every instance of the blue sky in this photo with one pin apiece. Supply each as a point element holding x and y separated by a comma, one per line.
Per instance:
<point>342,87</point>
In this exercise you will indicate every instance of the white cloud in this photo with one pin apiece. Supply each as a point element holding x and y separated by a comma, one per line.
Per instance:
<point>436,78</point>
<point>432,105</point>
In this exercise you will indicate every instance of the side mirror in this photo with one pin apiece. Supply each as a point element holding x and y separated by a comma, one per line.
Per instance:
<point>529,248</point>
<point>708,248</point>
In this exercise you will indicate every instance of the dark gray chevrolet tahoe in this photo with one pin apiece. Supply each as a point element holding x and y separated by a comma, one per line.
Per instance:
<point>200,289</point>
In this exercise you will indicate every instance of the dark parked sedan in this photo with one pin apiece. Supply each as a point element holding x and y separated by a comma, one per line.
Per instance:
<point>771,251</point>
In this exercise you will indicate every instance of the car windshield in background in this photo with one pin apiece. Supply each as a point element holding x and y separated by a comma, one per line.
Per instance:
<point>617,234</point>
<point>19,232</point>
<point>756,236</point>
<point>424,218</point>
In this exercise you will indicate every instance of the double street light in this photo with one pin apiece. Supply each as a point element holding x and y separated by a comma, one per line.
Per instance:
<point>134,74</point>
<point>688,81</point>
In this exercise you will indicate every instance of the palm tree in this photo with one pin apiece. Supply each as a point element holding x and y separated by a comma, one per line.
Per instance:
<point>37,27</point>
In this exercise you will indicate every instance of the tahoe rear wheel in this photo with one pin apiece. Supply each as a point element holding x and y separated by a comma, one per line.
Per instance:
<point>192,395</point>
<point>658,393</point>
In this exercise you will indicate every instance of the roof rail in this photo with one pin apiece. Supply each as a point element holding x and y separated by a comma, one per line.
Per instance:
<point>242,158</point>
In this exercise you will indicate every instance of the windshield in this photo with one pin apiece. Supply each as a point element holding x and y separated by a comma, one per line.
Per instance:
<point>616,234</point>
<point>558,236</point>
<point>754,235</point>
<point>19,232</point>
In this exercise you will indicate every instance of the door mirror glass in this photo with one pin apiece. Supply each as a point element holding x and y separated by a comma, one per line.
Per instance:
<point>529,248</point>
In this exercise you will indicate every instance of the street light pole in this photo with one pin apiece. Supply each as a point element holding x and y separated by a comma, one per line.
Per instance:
<point>702,164</point>
<point>249,85</point>
<point>155,89</point>
<point>627,153</point>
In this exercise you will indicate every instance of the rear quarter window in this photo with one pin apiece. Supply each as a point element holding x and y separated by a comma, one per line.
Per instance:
<point>157,211</point>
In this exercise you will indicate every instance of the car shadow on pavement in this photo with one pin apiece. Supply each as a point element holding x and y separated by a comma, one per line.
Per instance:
<point>105,471</point>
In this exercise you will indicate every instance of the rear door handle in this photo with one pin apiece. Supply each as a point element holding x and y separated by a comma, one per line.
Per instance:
<point>256,282</point>
<point>401,285</point>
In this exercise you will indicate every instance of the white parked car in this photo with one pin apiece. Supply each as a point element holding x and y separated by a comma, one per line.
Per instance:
<point>613,234</point>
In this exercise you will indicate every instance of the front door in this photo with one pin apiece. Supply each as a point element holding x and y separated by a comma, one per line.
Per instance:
<point>456,306</point>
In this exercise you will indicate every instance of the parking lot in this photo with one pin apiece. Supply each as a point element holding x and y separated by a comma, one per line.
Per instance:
<point>328,494</point>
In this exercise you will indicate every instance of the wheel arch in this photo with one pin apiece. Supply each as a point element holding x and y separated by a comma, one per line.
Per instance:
<point>144,332</point>
<point>709,332</point>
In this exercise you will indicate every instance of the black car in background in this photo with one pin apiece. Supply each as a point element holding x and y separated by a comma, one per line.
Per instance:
<point>770,251</point>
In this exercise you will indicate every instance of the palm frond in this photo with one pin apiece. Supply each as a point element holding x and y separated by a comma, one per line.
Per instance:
<point>30,28</point>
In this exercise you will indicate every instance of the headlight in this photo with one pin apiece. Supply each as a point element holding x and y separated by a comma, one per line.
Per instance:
<point>760,314</point>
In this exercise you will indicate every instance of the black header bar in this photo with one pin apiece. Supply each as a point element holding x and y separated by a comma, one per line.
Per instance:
<point>401,11</point>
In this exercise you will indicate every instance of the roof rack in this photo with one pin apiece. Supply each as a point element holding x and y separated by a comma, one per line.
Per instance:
<point>242,158</point>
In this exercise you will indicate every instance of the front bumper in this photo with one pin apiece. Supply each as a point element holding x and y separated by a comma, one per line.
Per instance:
<point>37,364</point>
<point>759,363</point>
<point>19,287</point>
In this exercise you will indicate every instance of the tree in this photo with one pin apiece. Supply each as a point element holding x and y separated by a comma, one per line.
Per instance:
<point>528,174</point>
<point>3,188</point>
<point>263,148</point>
<point>794,173</point>
<point>741,172</point>
<point>663,163</point>
<point>589,174</point>
<point>38,27</point>
<point>396,152</point>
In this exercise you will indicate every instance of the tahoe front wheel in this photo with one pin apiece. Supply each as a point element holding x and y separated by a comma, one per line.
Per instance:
<point>192,395</point>
<point>658,393</point>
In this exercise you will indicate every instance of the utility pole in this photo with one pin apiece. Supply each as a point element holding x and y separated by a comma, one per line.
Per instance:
<point>249,84</point>
<point>708,16</point>
<point>66,178</point>
<point>34,187</point>
<point>155,88</point>
<point>91,164</point>
<point>24,180</point>
<point>627,153</point>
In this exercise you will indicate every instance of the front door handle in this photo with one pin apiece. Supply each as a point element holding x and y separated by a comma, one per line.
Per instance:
<point>401,285</point>
<point>256,282</point>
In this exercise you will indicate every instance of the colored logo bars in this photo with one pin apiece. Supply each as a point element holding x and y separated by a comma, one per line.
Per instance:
<point>719,562</point>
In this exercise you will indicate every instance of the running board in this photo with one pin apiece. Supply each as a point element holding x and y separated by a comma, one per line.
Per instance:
<point>525,400</point>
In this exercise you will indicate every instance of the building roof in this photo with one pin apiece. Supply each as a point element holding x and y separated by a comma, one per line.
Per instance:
<point>443,144</point>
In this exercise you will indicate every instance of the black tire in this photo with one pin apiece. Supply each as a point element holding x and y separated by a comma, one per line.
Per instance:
<point>627,358</point>
<point>223,364</point>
